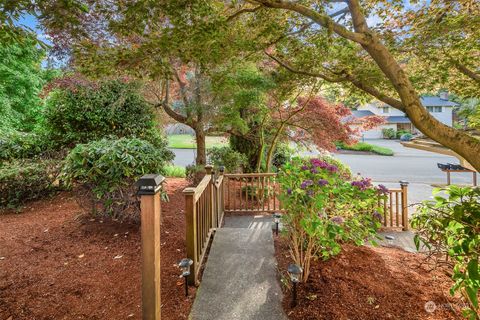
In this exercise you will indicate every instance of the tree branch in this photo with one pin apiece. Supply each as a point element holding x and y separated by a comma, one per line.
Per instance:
<point>321,19</point>
<point>345,78</point>
<point>241,11</point>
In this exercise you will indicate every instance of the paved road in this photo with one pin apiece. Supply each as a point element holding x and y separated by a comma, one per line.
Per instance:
<point>417,167</point>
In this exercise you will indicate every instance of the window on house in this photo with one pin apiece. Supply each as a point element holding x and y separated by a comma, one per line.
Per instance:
<point>384,109</point>
<point>434,109</point>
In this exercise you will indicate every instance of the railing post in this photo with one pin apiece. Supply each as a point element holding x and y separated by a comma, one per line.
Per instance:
<point>404,187</point>
<point>191,232</point>
<point>149,187</point>
<point>211,196</point>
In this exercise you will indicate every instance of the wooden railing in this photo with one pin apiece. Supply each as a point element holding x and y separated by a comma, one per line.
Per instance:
<point>204,211</point>
<point>258,192</point>
<point>395,207</point>
<point>251,192</point>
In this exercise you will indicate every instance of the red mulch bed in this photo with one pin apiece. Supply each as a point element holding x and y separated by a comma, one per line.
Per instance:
<point>370,283</point>
<point>59,264</point>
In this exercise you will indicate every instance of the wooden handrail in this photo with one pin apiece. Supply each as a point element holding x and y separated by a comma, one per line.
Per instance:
<point>244,175</point>
<point>203,214</point>
<point>202,186</point>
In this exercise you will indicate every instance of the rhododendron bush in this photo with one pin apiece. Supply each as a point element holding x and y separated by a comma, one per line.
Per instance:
<point>325,207</point>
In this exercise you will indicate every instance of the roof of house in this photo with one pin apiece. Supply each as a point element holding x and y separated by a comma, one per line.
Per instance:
<point>362,113</point>
<point>397,119</point>
<point>434,101</point>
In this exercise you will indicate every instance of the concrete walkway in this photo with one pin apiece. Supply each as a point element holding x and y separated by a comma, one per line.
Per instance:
<point>240,278</point>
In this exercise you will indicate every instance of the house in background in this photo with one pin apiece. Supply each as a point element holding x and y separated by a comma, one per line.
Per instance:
<point>439,106</point>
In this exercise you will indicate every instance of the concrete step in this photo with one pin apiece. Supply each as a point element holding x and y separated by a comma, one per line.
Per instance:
<point>240,278</point>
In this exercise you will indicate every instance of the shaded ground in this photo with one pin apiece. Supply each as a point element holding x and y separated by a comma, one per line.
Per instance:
<point>370,283</point>
<point>57,264</point>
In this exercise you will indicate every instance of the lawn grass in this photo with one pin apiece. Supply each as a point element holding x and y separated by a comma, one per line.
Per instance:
<point>363,146</point>
<point>175,172</point>
<point>186,141</point>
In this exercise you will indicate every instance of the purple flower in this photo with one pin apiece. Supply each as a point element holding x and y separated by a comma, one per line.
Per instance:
<point>377,216</point>
<point>362,184</point>
<point>332,168</point>
<point>337,220</point>
<point>382,189</point>
<point>322,182</point>
<point>305,168</point>
<point>318,163</point>
<point>289,191</point>
<point>306,183</point>
<point>314,170</point>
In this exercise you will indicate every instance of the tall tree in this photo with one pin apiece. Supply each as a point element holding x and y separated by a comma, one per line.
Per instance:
<point>21,80</point>
<point>337,44</point>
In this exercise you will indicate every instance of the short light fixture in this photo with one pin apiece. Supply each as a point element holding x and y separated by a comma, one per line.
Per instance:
<point>185,267</point>
<point>276,219</point>
<point>221,169</point>
<point>390,240</point>
<point>295,272</point>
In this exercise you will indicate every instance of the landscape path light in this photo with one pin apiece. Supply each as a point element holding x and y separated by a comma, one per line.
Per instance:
<point>276,219</point>
<point>390,240</point>
<point>185,267</point>
<point>295,272</point>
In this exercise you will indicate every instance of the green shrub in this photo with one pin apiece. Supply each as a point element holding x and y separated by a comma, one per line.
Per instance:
<point>283,154</point>
<point>406,137</point>
<point>25,180</point>
<point>225,156</point>
<point>399,133</point>
<point>450,227</point>
<point>17,145</point>
<point>325,209</point>
<point>175,171</point>
<point>107,170</point>
<point>83,112</point>
<point>363,146</point>
<point>194,173</point>
<point>388,133</point>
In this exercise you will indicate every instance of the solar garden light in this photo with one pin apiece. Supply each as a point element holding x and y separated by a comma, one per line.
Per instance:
<point>276,219</point>
<point>295,271</point>
<point>185,267</point>
<point>390,240</point>
<point>221,169</point>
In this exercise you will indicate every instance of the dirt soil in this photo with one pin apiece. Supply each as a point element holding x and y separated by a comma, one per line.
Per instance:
<point>57,263</point>
<point>370,283</point>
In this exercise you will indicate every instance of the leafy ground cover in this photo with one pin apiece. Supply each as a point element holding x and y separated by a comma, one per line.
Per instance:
<point>57,263</point>
<point>186,141</point>
<point>366,147</point>
<point>172,171</point>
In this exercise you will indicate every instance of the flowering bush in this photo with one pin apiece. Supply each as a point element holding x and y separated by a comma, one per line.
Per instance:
<point>324,208</point>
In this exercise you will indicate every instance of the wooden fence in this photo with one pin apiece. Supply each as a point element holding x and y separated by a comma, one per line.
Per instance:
<point>258,192</point>
<point>251,192</point>
<point>204,211</point>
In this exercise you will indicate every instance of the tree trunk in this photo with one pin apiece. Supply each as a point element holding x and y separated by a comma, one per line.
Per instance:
<point>462,143</point>
<point>201,159</point>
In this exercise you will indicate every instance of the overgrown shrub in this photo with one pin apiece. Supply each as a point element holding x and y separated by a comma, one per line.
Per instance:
<point>88,111</point>
<point>325,209</point>
<point>406,137</point>
<point>17,145</point>
<point>107,170</point>
<point>388,133</point>
<point>225,156</point>
<point>450,227</point>
<point>25,180</point>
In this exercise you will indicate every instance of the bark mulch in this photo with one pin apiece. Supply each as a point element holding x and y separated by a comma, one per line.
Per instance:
<point>57,263</point>
<point>369,283</point>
